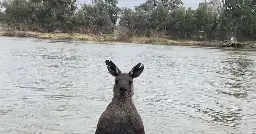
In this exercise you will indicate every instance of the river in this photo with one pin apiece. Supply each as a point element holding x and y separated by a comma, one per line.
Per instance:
<point>57,87</point>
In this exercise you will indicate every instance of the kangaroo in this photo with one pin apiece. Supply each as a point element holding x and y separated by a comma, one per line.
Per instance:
<point>121,116</point>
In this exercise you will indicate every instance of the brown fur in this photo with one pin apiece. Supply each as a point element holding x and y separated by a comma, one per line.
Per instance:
<point>121,116</point>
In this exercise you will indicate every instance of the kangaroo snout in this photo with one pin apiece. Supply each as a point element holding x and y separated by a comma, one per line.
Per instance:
<point>123,89</point>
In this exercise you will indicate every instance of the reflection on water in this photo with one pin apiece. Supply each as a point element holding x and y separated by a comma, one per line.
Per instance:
<point>238,72</point>
<point>63,87</point>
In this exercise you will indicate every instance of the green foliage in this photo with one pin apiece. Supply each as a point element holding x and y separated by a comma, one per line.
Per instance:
<point>152,18</point>
<point>51,15</point>
<point>235,18</point>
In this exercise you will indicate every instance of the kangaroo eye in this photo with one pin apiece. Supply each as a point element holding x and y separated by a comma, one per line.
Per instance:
<point>130,82</point>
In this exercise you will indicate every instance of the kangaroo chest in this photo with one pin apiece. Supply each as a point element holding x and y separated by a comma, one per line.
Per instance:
<point>122,113</point>
<point>123,118</point>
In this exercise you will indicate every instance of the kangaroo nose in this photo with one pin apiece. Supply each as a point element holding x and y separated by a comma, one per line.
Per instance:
<point>123,89</point>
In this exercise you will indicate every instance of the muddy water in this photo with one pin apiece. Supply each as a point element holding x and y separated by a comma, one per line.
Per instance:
<point>63,87</point>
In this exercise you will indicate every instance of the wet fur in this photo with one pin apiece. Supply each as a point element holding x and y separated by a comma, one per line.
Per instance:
<point>121,116</point>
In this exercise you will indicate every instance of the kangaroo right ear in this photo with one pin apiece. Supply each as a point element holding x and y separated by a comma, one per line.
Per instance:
<point>112,68</point>
<point>136,70</point>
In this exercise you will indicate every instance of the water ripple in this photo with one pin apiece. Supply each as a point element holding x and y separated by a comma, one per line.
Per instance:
<point>63,87</point>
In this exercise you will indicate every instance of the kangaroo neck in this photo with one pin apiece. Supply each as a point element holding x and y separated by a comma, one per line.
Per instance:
<point>122,101</point>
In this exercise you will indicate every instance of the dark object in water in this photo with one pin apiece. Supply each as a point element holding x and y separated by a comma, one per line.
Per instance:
<point>228,43</point>
<point>121,116</point>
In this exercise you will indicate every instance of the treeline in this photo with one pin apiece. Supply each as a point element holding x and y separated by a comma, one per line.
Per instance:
<point>158,18</point>
<point>61,15</point>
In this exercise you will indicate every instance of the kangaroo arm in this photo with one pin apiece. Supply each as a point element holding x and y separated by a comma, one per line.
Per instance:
<point>102,127</point>
<point>139,127</point>
<point>137,122</point>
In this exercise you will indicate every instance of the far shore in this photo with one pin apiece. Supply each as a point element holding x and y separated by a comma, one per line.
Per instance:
<point>97,38</point>
<point>114,38</point>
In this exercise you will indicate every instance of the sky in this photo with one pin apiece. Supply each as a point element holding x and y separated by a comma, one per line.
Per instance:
<point>131,3</point>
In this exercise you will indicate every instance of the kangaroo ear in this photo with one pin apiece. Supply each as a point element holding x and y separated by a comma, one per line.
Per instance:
<point>112,68</point>
<point>136,70</point>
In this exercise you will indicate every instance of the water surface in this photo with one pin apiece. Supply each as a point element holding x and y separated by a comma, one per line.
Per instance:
<point>63,87</point>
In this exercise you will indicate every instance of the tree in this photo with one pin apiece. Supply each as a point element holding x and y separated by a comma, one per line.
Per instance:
<point>189,24</point>
<point>171,5</point>
<point>127,18</point>
<point>159,18</point>
<point>16,11</point>
<point>113,10</point>
<point>241,14</point>
<point>217,20</point>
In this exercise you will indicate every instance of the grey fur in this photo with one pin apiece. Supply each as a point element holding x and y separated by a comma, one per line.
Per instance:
<point>121,116</point>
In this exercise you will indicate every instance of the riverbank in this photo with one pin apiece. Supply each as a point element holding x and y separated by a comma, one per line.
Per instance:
<point>118,38</point>
<point>98,38</point>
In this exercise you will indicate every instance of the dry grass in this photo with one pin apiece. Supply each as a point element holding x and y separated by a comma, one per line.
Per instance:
<point>164,41</point>
<point>98,38</point>
<point>18,33</point>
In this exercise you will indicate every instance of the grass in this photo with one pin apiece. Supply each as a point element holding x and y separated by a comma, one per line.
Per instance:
<point>164,41</point>
<point>115,38</point>
<point>98,38</point>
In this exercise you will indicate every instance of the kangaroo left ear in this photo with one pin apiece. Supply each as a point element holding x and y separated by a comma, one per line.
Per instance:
<point>136,70</point>
<point>112,68</point>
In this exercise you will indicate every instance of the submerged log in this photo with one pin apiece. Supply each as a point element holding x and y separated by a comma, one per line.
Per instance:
<point>228,43</point>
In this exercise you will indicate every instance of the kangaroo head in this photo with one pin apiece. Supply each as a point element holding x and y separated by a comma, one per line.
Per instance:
<point>123,86</point>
